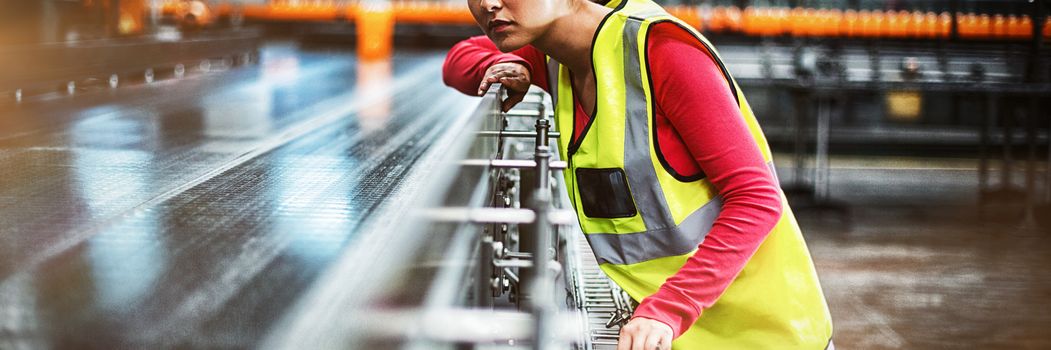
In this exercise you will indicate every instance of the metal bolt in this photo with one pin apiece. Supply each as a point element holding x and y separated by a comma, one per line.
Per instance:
<point>148,75</point>
<point>114,81</point>
<point>494,284</point>
<point>180,70</point>
<point>18,95</point>
<point>498,250</point>
<point>71,87</point>
<point>554,267</point>
<point>910,67</point>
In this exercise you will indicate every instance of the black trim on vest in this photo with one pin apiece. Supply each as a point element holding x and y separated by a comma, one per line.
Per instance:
<point>653,101</point>
<point>574,144</point>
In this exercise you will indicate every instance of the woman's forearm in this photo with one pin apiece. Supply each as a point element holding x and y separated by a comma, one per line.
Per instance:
<point>467,61</point>
<point>695,98</point>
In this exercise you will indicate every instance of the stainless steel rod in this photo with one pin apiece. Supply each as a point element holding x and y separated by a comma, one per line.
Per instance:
<point>542,294</point>
<point>516,133</point>
<point>512,163</point>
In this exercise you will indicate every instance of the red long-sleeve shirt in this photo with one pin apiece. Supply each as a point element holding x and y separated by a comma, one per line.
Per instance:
<point>699,126</point>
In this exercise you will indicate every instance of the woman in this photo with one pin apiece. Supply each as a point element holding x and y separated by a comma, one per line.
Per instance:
<point>669,172</point>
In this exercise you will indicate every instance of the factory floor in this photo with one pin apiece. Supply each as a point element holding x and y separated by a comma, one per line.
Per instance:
<point>195,213</point>
<point>916,263</point>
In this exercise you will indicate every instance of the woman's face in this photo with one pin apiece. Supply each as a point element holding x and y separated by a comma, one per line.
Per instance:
<point>512,24</point>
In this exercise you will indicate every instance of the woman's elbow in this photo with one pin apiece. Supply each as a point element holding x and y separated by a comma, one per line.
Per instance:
<point>777,205</point>
<point>769,193</point>
<point>447,69</point>
<point>455,79</point>
<point>447,75</point>
<point>763,197</point>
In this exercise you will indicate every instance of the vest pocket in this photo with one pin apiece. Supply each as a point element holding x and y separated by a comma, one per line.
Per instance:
<point>604,193</point>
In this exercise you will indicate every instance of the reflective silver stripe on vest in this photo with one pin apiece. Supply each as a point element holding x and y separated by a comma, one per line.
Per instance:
<point>552,80</point>
<point>634,248</point>
<point>662,238</point>
<point>631,248</point>
<point>638,166</point>
<point>648,13</point>
<point>773,172</point>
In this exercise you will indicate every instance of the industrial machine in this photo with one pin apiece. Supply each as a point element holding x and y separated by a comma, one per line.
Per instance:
<point>76,46</point>
<point>493,260</point>
<point>482,250</point>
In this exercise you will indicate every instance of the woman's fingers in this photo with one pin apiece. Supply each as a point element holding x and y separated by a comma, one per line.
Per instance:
<point>644,334</point>
<point>491,76</point>
<point>519,74</point>
<point>638,342</point>
<point>654,341</point>
<point>517,86</point>
<point>489,79</point>
<point>512,99</point>
<point>624,343</point>
<point>515,82</point>
<point>509,79</point>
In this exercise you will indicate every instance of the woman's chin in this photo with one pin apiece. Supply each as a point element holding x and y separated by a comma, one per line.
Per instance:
<point>507,44</point>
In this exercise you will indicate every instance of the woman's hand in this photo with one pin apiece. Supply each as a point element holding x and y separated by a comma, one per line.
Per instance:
<point>515,78</point>
<point>644,334</point>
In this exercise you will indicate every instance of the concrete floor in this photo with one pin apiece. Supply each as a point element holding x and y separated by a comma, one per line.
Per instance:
<point>916,264</point>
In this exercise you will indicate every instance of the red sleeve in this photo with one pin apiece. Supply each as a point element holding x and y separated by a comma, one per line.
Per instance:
<point>694,96</point>
<point>466,62</point>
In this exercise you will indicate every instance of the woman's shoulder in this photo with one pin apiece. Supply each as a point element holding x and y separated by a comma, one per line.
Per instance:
<point>674,51</point>
<point>671,35</point>
<point>680,65</point>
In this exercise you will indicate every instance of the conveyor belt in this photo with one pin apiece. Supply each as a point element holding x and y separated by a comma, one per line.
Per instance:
<point>193,213</point>
<point>597,292</point>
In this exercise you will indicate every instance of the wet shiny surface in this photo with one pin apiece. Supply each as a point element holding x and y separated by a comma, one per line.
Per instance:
<point>919,266</point>
<point>193,212</point>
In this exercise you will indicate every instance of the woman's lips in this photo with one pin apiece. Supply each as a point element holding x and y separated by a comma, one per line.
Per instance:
<point>499,26</point>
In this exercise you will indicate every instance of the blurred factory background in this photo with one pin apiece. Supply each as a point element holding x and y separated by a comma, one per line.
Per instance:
<point>294,174</point>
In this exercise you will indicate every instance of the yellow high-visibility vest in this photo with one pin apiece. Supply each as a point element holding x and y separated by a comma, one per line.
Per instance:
<point>644,221</point>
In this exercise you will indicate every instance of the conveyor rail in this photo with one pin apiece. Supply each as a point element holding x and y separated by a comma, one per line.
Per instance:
<point>471,277</point>
<point>43,67</point>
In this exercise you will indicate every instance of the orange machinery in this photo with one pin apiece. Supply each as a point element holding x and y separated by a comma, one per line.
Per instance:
<point>129,18</point>
<point>757,21</point>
